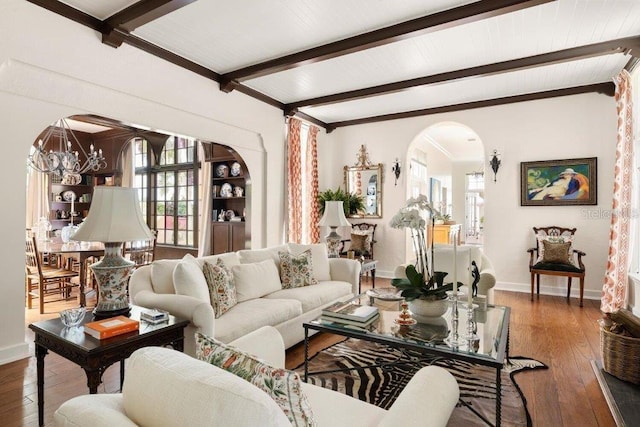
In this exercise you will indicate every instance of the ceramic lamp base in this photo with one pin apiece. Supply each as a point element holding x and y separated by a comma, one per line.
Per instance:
<point>333,243</point>
<point>112,274</point>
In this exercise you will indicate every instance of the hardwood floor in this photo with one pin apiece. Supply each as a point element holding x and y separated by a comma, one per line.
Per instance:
<point>563,336</point>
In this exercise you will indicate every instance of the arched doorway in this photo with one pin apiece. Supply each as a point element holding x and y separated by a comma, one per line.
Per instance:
<point>446,159</point>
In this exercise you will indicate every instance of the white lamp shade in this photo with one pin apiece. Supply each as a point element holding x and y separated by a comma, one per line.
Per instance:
<point>114,216</point>
<point>334,215</point>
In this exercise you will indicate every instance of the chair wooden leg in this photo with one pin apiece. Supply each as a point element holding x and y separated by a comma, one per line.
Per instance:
<point>41,297</point>
<point>568,288</point>
<point>532,284</point>
<point>581,289</point>
<point>538,285</point>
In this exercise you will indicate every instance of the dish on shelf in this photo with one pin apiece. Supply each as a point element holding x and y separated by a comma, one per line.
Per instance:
<point>221,171</point>
<point>229,215</point>
<point>72,179</point>
<point>69,196</point>
<point>226,190</point>
<point>236,169</point>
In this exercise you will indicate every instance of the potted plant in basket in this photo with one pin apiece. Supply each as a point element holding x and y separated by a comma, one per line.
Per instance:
<point>425,297</point>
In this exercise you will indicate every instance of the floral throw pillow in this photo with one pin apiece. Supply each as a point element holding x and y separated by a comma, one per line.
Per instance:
<point>222,288</point>
<point>296,271</point>
<point>282,385</point>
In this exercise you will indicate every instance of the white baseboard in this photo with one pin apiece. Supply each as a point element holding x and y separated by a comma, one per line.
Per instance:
<point>549,290</point>
<point>13,353</point>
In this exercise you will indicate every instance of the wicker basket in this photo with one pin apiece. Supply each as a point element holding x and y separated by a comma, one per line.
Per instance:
<point>620,356</point>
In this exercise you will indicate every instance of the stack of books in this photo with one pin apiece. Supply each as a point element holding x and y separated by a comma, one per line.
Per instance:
<point>350,313</point>
<point>111,327</point>
<point>154,316</point>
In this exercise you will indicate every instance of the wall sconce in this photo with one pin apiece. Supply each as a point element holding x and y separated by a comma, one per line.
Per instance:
<point>396,170</point>
<point>495,163</point>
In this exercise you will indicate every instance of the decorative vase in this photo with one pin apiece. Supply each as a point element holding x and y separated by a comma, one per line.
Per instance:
<point>67,233</point>
<point>428,308</point>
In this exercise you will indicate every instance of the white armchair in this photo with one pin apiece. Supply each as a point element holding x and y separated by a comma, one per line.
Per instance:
<point>466,253</point>
<point>164,387</point>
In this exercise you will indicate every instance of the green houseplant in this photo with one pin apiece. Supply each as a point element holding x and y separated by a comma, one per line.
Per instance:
<point>352,203</point>
<point>414,285</point>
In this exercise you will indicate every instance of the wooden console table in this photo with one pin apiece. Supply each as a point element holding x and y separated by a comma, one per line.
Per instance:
<point>442,233</point>
<point>95,356</point>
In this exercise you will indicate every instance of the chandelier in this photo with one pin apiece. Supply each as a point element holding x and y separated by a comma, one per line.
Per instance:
<point>64,161</point>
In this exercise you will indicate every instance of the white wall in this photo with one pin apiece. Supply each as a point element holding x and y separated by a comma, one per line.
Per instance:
<point>557,128</point>
<point>51,67</point>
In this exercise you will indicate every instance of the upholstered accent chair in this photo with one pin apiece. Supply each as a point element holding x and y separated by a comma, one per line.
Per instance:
<point>361,242</point>
<point>554,255</point>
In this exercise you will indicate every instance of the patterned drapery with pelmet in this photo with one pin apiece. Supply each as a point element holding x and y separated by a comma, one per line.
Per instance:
<point>302,193</point>
<point>614,290</point>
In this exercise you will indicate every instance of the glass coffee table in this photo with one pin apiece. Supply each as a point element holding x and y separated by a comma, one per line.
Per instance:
<point>430,336</point>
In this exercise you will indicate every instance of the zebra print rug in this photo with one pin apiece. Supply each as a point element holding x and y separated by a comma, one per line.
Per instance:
<point>381,386</point>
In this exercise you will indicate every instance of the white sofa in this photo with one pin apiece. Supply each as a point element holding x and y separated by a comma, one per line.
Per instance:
<point>164,387</point>
<point>443,261</point>
<point>262,301</point>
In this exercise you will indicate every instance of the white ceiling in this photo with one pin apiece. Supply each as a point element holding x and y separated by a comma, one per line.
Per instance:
<point>226,36</point>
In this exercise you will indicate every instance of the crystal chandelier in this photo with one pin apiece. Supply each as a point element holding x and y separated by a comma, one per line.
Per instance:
<point>64,161</point>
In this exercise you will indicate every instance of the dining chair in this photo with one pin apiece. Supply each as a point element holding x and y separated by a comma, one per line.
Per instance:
<point>141,252</point>
<point>44,279</point>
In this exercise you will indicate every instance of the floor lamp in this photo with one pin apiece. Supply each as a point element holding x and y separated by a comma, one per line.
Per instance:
<point>333,218</point>
<point>114,218</point>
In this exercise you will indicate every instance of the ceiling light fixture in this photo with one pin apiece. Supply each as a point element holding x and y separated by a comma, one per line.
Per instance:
<point>65,160</point>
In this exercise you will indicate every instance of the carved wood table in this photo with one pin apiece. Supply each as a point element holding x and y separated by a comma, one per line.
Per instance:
<point>94,355</point>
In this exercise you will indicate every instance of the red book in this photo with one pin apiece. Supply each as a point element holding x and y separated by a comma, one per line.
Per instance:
<point>107,328</point>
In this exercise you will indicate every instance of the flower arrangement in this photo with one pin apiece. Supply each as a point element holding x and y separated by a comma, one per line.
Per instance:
<point>414,217</point>
<point>422,281</point>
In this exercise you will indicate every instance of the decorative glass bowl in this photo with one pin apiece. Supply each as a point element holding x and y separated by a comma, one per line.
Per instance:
<point>73,316</point>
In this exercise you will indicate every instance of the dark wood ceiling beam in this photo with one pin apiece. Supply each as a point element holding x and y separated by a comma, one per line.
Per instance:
<point>137,15</point>
<point>629,44</point>
<point>69,13</point>
<point>438,21</point>
<point>604,88</point>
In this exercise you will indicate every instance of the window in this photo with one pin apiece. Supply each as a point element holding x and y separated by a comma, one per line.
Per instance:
<point>168,190</point>
<point>418,180</point>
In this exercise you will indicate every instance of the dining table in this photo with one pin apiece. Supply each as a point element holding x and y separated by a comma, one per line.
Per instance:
<point>84,250</point>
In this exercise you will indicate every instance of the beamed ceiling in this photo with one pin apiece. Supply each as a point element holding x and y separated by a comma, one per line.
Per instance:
<point>343,62</point>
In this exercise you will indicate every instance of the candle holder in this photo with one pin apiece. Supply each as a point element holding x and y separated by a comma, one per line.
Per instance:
<point>471,338</point>
<point>453,339</point>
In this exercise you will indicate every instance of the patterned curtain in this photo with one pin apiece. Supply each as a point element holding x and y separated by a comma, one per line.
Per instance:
<point>312,185</point>
<point>294,181</point>
<point>614,290</point>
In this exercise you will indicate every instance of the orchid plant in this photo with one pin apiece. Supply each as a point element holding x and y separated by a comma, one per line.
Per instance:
<point>414,216</point>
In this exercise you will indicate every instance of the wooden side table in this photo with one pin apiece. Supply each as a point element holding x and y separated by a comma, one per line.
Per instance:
<point>368,266</point>
<point>95,356</point>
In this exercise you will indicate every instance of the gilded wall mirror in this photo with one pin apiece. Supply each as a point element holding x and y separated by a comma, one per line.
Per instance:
<point>365,179</point>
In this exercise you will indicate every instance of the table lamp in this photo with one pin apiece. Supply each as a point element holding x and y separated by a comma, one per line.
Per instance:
<point>114,218</point>
<point>333,218</point>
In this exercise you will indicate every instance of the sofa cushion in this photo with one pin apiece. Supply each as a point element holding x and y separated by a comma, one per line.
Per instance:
<point>188,279</point>
<point>162,275</point>
<point>296,271</point>
<point>250,315</point>
<point>329,406</point>
<point>312,297</point>
<point>250,256</point>
<point>282,385</point>
<point>222,289</point>
<point>255,280</point>
<point>165,387</point>
<point>321,270</point>
<point>229,258</point>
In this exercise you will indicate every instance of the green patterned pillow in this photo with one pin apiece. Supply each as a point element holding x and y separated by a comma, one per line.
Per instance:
<point>222,289</point>
<point>283,386</point>
<point>296,271</point>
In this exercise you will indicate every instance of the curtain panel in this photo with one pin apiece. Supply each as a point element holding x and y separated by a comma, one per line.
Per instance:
<point>614,290</point>
<point>294,181</point>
